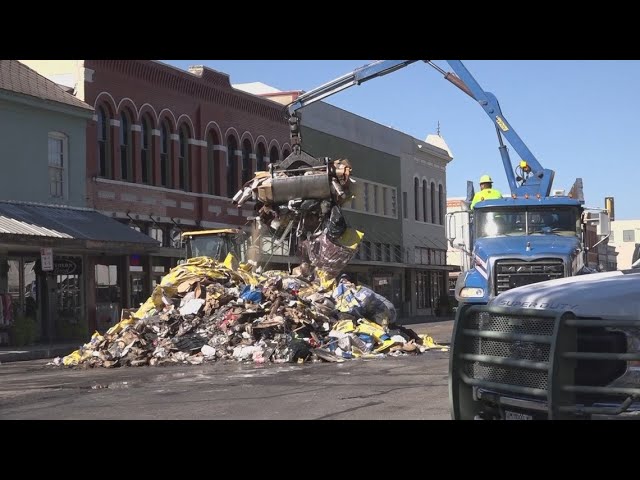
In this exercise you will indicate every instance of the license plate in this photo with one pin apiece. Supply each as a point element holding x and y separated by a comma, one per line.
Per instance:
<point>516,416</point>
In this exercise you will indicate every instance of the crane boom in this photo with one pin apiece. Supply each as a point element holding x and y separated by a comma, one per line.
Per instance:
<point>532,178</point>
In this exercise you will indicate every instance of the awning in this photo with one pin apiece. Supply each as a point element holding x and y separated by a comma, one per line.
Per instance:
<point>80,227</point>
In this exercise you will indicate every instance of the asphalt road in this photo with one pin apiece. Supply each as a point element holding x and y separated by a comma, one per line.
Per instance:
<point>410,387</point>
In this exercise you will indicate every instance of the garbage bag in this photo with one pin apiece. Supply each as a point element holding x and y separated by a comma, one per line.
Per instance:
<point>326,255</point>
<point>337,224</point>
<point>364,303</point>
<point>251,294</point>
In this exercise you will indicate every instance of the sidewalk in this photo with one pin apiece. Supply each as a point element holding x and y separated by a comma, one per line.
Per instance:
<point>408,321</point>
<point>36,352</point>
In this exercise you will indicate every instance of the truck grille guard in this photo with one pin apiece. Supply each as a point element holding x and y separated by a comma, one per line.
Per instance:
<point>533,354</point>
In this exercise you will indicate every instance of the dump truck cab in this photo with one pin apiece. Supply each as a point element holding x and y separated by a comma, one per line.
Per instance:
<point>216,244</point>
<point>518,241</point>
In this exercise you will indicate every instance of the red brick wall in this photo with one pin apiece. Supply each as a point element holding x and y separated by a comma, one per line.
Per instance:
<point>179,96</point>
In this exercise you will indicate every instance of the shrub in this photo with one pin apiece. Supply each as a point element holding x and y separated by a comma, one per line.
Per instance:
<point>24,331</point>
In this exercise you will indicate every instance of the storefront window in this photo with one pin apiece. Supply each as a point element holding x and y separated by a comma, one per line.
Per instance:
<point>9,296</point>
<point>383,285</point>
<point>108,296</point>
<point>65,299</point>
<point>107,289</point>
<point>30,298</point>
<point>157,272</point>
<point>137,275</point>
<point>423,289</point>
<point>19,318</point>
<point>69,302</point>
<point>13,284</point>
<point>437,287</point>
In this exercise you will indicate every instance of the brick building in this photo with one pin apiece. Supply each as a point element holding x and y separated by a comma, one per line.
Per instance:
<point>165,151</point>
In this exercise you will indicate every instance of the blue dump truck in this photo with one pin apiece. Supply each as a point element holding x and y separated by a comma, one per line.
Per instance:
<point>519,240</point>
<point>525,345</point>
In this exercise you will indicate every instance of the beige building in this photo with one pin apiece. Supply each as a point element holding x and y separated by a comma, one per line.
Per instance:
<point>625,235</point>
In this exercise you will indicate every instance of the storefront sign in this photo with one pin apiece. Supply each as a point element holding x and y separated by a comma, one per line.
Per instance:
<point>61,266</point>
<point>46,259</point>
<point>67,266</point>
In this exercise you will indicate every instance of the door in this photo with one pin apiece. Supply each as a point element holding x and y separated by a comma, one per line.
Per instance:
<point>138,295</point>
<point>108,292</point>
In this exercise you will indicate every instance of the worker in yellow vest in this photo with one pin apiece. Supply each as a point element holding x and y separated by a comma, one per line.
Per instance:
<point>486,191</point>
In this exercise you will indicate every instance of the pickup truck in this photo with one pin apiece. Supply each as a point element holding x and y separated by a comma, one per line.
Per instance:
<point>567,348</point>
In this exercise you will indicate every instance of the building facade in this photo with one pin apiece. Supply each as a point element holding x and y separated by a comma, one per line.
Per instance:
<point>625,236</point>
<point>374,210</point>
<point>424,195</point>
<point>46,295</point>
<point>417,195</point>
<point>166,149</point>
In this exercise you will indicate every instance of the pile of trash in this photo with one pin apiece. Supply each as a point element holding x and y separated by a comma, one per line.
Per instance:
<point>206,311</point>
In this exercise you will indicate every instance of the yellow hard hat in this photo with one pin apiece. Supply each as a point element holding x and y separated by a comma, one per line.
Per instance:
<point>485,179</point>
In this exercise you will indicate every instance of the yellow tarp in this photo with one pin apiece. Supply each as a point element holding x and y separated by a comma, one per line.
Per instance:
<point>430,343</point>
<point>351,238</point>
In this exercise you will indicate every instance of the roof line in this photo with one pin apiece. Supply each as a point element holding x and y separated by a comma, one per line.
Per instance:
<point>50,205</point>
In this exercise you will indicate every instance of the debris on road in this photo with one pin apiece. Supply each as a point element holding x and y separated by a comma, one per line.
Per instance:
<point>206,311</point>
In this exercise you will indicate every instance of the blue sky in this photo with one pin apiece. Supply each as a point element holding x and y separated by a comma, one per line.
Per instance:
<point>580,118</point>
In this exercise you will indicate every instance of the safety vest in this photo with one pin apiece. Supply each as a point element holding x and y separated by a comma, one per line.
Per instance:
<point>487,194</point>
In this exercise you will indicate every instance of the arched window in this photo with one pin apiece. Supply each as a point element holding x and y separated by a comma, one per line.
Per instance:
<point>126,165</point>
<point>146,151</point>
<point>425,212</point>
<point>212,141</point>
<point>246,161</point>
<point>183,159</point>
<point>285,153</point>
<point>165,156</point>
<point>416,198</point>
<point>273,153</point>
<point>261,164</point>
<point>433,202</point>
<point>441,200</point>
<point>104,157</point>
<point>232,166</point>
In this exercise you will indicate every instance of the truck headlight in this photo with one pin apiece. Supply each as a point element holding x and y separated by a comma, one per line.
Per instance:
<point>472,292</point>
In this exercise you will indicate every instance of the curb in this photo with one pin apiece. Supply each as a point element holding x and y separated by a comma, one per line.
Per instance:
<point>23,356</point>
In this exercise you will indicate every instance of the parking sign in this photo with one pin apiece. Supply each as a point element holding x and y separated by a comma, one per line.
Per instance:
<point>46,259</point>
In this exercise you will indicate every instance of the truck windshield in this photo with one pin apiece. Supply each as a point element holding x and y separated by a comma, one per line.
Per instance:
<point>564,221</point>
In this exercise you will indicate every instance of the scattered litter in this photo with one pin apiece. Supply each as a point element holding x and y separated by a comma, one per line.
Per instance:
<point>204,311</point>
